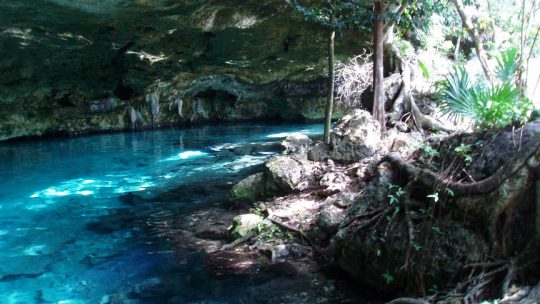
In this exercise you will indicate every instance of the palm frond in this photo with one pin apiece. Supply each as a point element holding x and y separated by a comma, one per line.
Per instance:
<point>507,64</point>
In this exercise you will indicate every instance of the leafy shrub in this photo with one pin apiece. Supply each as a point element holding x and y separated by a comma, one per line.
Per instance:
<point>491,106</point>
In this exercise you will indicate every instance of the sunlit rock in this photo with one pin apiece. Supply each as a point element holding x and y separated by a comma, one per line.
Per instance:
<point>286,174</point>
<point>333,182</point>
<point>355,137</point>
<point>244,225</point>
<point>296,143</point>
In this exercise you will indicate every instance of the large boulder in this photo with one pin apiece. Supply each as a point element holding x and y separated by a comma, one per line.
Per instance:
<point>288,173</point>
<point>330,218</point>
<point>380,257</point>
<point>355,136</point>
<point>250,188</point>
<point>373,243</point>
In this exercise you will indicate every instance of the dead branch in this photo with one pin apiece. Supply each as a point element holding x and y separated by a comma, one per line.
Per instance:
<point>353,78</point>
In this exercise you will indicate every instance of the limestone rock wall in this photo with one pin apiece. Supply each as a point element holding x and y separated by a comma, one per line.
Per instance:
<point>72,66</point>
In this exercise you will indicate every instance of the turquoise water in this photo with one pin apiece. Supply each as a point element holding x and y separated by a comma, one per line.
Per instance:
<point>57,194</point>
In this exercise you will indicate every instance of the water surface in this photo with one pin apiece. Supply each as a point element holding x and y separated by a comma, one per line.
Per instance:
<point>56,245</point>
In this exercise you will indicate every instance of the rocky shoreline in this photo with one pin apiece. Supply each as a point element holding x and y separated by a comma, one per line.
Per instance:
<point>355,209</point>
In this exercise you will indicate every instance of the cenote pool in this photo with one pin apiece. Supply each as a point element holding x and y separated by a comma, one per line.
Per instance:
<point>67,234</point>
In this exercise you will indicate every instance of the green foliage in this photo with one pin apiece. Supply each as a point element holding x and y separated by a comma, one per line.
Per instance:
<point>466,151</point>
<point>268,232</point>
<point>396,192</point>
<point>454,92</point>
<point>388,278</point>
<point>491,106</point>
<point>427,150</point>
<point>507,64</point>
<point>419,12</point>
<point>404,47</point>
<point>437,230</point>
<point>424,69</point>
<point>395,196</point>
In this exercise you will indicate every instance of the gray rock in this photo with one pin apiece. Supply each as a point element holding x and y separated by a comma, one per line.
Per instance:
<point>287,174</point>
<point>250,188</point>
<point>59,73</point>
<point>334,181</point>
<point>342,199</point>
<point>318,152</point>
<point>396,141</point>
<point>280,252</point>
<point>297,143</point>
<point>356,136</point>
<point>104,105</point>
<point>366,257</point>
<point>330,218</point>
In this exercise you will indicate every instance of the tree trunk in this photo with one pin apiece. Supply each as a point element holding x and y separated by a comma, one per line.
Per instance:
<point>476,38</point>
<point>330,97</point>
<point>378,80</point>
<point>456,51</point>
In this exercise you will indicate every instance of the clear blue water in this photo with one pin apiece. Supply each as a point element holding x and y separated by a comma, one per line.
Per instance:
<point>52,192</point>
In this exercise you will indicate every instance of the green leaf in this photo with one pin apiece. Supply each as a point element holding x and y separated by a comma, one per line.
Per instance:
<point>388,278</point>
<point>424,69</point>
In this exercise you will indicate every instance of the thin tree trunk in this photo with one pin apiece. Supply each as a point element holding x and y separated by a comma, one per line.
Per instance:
<point>523,35</point>
<point>378,66</point>
<point>458,45</point>
<point>475,36</point>
<point>330,97</point>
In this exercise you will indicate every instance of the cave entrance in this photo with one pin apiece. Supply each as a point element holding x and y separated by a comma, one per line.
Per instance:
<point>218,104</point>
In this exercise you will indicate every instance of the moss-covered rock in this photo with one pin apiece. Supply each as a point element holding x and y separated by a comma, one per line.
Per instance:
<point>250,188</point>
<point>244,225</point>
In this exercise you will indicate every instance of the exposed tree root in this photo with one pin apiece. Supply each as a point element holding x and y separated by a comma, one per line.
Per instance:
<point>405,101</point>
<point>527,156</point>
<point>408,301</point>
<point>239,241</point>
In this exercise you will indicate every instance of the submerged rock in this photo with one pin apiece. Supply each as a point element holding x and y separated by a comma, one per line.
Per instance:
<point>154,288</point>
